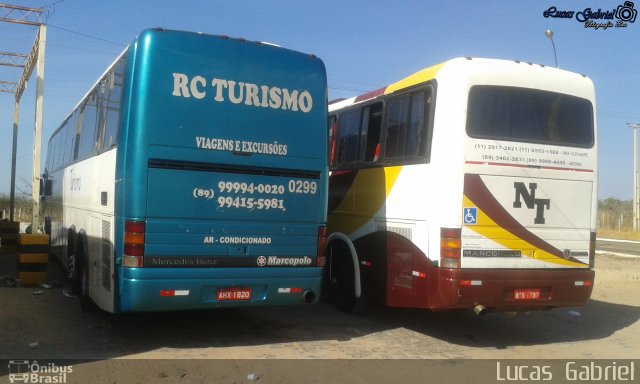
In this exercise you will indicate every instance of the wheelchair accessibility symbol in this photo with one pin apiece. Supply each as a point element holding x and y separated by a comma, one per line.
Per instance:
<point>470,216</point>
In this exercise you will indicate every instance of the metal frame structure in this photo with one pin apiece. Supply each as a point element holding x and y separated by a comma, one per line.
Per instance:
<point>35,59</point>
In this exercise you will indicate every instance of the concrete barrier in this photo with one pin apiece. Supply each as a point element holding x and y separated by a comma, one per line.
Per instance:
<point>9,236</point>
<point>33,259</point>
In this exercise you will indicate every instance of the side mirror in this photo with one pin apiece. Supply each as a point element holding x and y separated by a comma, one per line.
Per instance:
<point>45,187</point>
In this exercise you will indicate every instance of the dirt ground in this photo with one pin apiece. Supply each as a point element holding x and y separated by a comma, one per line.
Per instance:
<point>51,325</point>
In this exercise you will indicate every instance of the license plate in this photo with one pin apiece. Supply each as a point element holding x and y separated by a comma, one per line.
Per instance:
<point>231,294</point>
<point>526,294</point>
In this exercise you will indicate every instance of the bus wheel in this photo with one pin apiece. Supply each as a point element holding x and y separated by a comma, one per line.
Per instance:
<point>73,270</point>
<point>342,284</point>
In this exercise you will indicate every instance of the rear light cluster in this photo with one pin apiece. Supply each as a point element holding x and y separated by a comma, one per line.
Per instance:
<point>321,257</point>
<point>133,244</point>
<point>450,246</point>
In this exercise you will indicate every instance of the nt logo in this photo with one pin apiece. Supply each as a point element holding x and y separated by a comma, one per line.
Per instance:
<point>529,198</point>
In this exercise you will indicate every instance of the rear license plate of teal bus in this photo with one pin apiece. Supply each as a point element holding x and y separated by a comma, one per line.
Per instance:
<point>231,294</point>
<point>526,294</point>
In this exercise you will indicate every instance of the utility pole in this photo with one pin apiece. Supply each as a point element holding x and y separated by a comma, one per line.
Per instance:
<point>636,203</point>
<point>29,17</point>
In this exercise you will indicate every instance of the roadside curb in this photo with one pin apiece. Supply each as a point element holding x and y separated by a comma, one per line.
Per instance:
<point>626,255</point>
<point>618,241</point>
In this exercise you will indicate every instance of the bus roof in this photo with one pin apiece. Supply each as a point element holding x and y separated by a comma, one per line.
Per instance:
<point>432,72</point>
<point>126,49</point>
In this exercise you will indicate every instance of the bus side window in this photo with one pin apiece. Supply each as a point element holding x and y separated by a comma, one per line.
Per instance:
<point>103,98</point>
<point>407,127</point>
<point>112,107</point>
<point>332,140</point>
<point>55,152</point>
<point>87,128</point>
<point>397,115</point>
<point>53,148</point>
<point>68,144</point>
<point>50,149</point>
<point>416,129</point>
<point>370,132</point>
<point>347,137</point>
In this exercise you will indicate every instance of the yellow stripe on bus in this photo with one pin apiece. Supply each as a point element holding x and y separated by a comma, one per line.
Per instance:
<point>347,217</point>
<point>416,78</point>
<point>489,229</point>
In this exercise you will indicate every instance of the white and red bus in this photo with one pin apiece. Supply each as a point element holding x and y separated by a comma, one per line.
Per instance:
<point>470,184</point>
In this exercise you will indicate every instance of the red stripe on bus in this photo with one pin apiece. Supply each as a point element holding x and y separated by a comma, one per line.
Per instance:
<point>370,95</point>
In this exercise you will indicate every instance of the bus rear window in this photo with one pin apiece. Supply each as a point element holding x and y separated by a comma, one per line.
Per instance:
<point>529,115</point>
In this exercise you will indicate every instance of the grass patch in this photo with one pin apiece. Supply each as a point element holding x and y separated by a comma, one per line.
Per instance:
<point>620,235</point>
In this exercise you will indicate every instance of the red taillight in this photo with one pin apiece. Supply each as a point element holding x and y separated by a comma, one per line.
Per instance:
<point>134,250</point>
<point>321,256</point>
<point>592,250</point>
<point>134,244</point>
<point>450,247</point>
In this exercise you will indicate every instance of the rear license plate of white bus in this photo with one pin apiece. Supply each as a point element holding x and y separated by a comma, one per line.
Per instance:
<point>526,294</point>
<point>229,294</point>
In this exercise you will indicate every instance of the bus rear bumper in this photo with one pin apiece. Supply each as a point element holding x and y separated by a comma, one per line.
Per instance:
<point>513,289</point>
<point>149,289</point>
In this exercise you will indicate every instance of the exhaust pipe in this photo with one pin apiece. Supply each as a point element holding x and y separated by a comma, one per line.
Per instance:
<point>480,310</point>
<point>308,296</point>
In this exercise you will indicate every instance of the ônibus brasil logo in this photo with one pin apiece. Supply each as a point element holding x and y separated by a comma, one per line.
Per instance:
<point>24,371</point>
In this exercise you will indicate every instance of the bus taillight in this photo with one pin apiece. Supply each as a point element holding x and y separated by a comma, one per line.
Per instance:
<point>450,246</point>
<point>133,244</point>
<point>592,250</point>
<point>321,257</point>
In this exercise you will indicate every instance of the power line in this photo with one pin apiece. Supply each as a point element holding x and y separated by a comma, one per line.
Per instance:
<point>87,36</point>
<point>349,89</point>
<point>353,82</point>
<point>53,4</point>
<point>51,8</point>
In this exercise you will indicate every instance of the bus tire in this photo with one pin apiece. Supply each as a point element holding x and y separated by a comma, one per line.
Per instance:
<point>341,284</point>
<point>86,303</point>
<point>73,263</point>
<point>47,226</point>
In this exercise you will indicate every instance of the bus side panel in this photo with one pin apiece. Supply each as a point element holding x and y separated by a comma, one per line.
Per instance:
<point>89,204</point>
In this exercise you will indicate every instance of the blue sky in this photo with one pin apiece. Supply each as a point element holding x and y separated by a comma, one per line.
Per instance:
<point>364,44</point>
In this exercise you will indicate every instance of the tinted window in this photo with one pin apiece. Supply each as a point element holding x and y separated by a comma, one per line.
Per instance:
<point>58,153</point>
<point>397,116</point>
<point>406,136</point>
<point>69,141</point>
<point>530,115</point>
<point>89,125</point>
<point>332,141</point>
<point>111,104</point>
<point>416,129</point>
<point>347,137</point>
<point>370,133</point>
